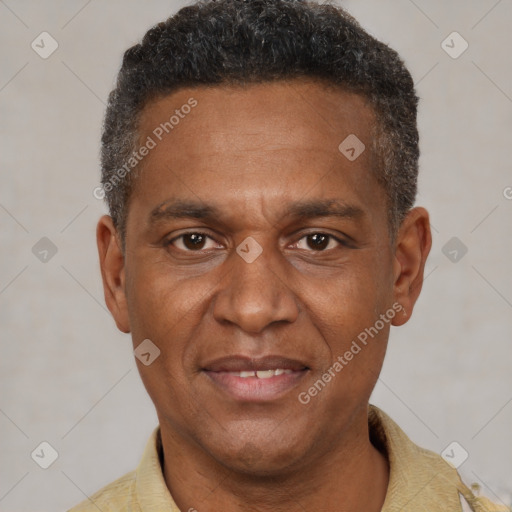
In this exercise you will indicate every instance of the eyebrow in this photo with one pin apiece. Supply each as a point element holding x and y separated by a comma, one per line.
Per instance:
<point>305,209</point>
<point>180,209</point>
<point>323,208</point>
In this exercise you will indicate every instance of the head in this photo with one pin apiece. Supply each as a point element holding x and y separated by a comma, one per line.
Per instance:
<point>220,43</point>
<point>266,223</point>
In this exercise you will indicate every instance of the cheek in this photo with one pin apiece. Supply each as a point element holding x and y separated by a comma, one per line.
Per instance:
<point>347,311</point>
<point>350,300</point>
<point>169,311</point>
<point>356,338</point>
<point>165,311</point>
<point>159,303</point>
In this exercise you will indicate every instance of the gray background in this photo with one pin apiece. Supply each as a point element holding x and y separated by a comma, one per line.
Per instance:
<point>68,376</point>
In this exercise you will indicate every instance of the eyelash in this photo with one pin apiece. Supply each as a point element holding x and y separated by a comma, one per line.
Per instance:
<point>330,237</point>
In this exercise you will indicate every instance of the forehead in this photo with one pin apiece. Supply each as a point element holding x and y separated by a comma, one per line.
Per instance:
<point>242,146</point>
<point>309,113</point>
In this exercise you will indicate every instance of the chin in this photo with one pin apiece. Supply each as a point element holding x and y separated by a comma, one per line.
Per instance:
<point>260,460</point>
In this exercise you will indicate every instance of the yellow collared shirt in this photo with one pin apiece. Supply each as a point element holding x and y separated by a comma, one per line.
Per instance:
<point>419,480</point>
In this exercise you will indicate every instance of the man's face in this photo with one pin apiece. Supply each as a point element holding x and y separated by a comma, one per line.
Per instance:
<point>261,162</point>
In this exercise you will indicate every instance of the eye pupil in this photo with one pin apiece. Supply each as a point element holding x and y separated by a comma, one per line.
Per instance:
<point>318,241</point>
<point>193,240</point>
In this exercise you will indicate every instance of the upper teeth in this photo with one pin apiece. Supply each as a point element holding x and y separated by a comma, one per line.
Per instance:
<point>261,374</point>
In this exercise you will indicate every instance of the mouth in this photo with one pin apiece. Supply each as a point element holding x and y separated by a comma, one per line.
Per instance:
<point>255,380</point>
<point>261,374</point>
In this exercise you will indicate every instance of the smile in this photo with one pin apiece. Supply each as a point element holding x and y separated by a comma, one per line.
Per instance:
<point>255,380</point>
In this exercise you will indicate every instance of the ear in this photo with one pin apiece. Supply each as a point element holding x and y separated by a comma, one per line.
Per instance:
<point>112,271</point>
<point>412,245</point>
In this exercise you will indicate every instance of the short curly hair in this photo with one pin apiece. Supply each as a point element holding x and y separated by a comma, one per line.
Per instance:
<point>239,42</point>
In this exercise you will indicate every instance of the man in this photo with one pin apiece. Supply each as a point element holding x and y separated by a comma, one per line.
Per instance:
<point>259,159</point>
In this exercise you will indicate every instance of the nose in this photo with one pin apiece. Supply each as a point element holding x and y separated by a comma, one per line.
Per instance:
<point>255,294</point>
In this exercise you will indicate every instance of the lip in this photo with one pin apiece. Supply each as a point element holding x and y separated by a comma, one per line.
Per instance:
<point>241,363</point>
<point>224,374</point>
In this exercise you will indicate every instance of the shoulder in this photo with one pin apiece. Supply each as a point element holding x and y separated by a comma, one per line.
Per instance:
<point>421,476</point>
<point>482,504</point>
<point>118,496</point>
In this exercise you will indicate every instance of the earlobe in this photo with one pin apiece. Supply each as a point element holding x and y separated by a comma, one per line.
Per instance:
<point>112,266</point>
<point>413,243</point>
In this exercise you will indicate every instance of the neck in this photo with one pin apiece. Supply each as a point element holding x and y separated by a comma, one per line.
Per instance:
<point>352,476</point>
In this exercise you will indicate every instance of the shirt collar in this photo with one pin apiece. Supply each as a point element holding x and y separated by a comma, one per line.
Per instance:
<point>150,487</point>
<point>419,479</point>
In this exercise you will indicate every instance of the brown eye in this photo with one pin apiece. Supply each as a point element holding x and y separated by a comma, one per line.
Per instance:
<point>193,241</point>
<point>318,242</point>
